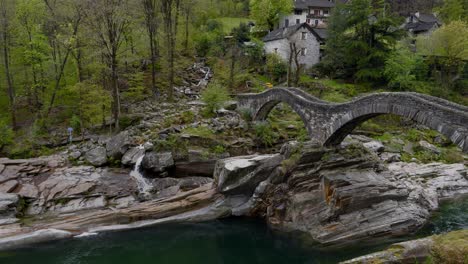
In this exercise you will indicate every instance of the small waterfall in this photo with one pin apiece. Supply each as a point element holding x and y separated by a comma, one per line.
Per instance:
<point>142,183</point>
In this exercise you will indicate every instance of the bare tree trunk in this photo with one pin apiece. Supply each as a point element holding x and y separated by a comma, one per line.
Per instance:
<point>6,60</point>
<point>290,62</point>
<point>152,29</point>
<point>170,11</point>
<point>60,71</point>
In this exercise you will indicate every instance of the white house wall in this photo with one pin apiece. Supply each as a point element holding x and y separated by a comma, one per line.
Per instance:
<point>302,19</point>
<point>281,47</point>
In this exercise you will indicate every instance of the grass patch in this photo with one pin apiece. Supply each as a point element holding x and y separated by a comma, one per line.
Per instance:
<point>200,131</point>
<point>231,22</point>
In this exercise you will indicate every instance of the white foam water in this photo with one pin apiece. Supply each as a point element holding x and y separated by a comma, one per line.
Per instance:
<point>143,185</point>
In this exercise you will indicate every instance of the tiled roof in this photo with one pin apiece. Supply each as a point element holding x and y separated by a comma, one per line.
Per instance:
<point>281,33</point>
<point>305,4</point>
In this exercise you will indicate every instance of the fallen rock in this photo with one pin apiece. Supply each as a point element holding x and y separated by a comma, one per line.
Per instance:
<point>118,145</point>
<point>97,156</point>
<point>374,145</point>
<point>157,162</point>
<point>8,186</point>
<point>132,155</point>
<point>428,147</point>
<point>8,204</point>
<point>241,175</point>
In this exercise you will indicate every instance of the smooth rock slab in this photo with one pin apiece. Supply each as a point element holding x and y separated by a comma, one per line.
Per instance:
<point>32,238</point>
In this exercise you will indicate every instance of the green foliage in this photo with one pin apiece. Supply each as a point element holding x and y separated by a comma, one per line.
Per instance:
<point>276,67</point>
<point>6,134</point>
<point>219,149</point>
<point>453,10</point>
<point>214,96</point>
<point>246,114</point>
<point>446,48</point>
<point>201,131</point>
<point>400,67</point>
<point>452,156</point>
<point>362,35</point>
<point>136,88</point>
<point>450,248</point>
<point>187,117</point>
<point>267,13</point>
<point>265,134</point>
<point>75,123</point>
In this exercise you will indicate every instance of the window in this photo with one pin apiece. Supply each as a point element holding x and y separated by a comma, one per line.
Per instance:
<point>303,51</point>
<point>298,21</point>
<point>298,12</point>
<point>276,50</point>
<point>286,23</point>
<point>326,12</point>
<point>316,22</point>
<point>303,35</point>
<point>308,21</point>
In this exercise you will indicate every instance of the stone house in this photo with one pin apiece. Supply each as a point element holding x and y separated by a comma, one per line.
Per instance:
<point>308,42</point>
<point>312,12</point>
<point>421,24</point>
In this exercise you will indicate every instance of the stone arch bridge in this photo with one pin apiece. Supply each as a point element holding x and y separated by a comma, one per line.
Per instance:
<point>329,123</point>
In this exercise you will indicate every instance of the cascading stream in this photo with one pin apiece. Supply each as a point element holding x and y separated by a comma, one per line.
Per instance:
<point>143,186</point>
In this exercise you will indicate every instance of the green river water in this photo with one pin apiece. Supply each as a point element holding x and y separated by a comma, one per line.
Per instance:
<point>236,240</point>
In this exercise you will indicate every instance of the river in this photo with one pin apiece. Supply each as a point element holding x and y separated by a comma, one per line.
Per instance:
<point>235,240</point>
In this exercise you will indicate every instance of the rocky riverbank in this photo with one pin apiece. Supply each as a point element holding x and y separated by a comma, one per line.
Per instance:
<point>334,196</point>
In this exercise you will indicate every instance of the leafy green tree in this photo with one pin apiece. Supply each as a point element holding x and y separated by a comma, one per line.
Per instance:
<point>267,13</point>
<point>453,10</point>
<point>400,68</point>
<point>214,96</point>
<point>363,35</point>
<point>333,63</point>
<point>447,48</point>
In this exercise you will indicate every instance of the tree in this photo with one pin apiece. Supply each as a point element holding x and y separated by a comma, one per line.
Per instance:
<point>333,63</point>
<point>34,50</point>
<point>362,39</point>
<point>187,10</point>
<point>5,21</point>
<point>170,13</point>
<point>400,67</point>
<point>71,20</point>
<point>151,21</point>
<point>109,20</point>
<point>447,48</point>
<point>267,13</point>
<point>453,10</point>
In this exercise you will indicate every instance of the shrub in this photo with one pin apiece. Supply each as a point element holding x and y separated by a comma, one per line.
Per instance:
<point>265,134</point>
<point>276,67</point>
<point>187,117</point>
<point>246,114</point>
<point>214,96</point>
<point>6,134</point>
<point>219,149</point>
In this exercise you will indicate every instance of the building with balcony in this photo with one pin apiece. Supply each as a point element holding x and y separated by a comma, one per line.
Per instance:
<point>313,12</point>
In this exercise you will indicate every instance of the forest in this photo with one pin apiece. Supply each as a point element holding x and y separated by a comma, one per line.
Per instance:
<point>83,63</point>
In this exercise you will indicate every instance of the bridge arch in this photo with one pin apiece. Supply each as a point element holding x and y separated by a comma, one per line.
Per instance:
<point>436,114</point>
<point>329,123</point>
